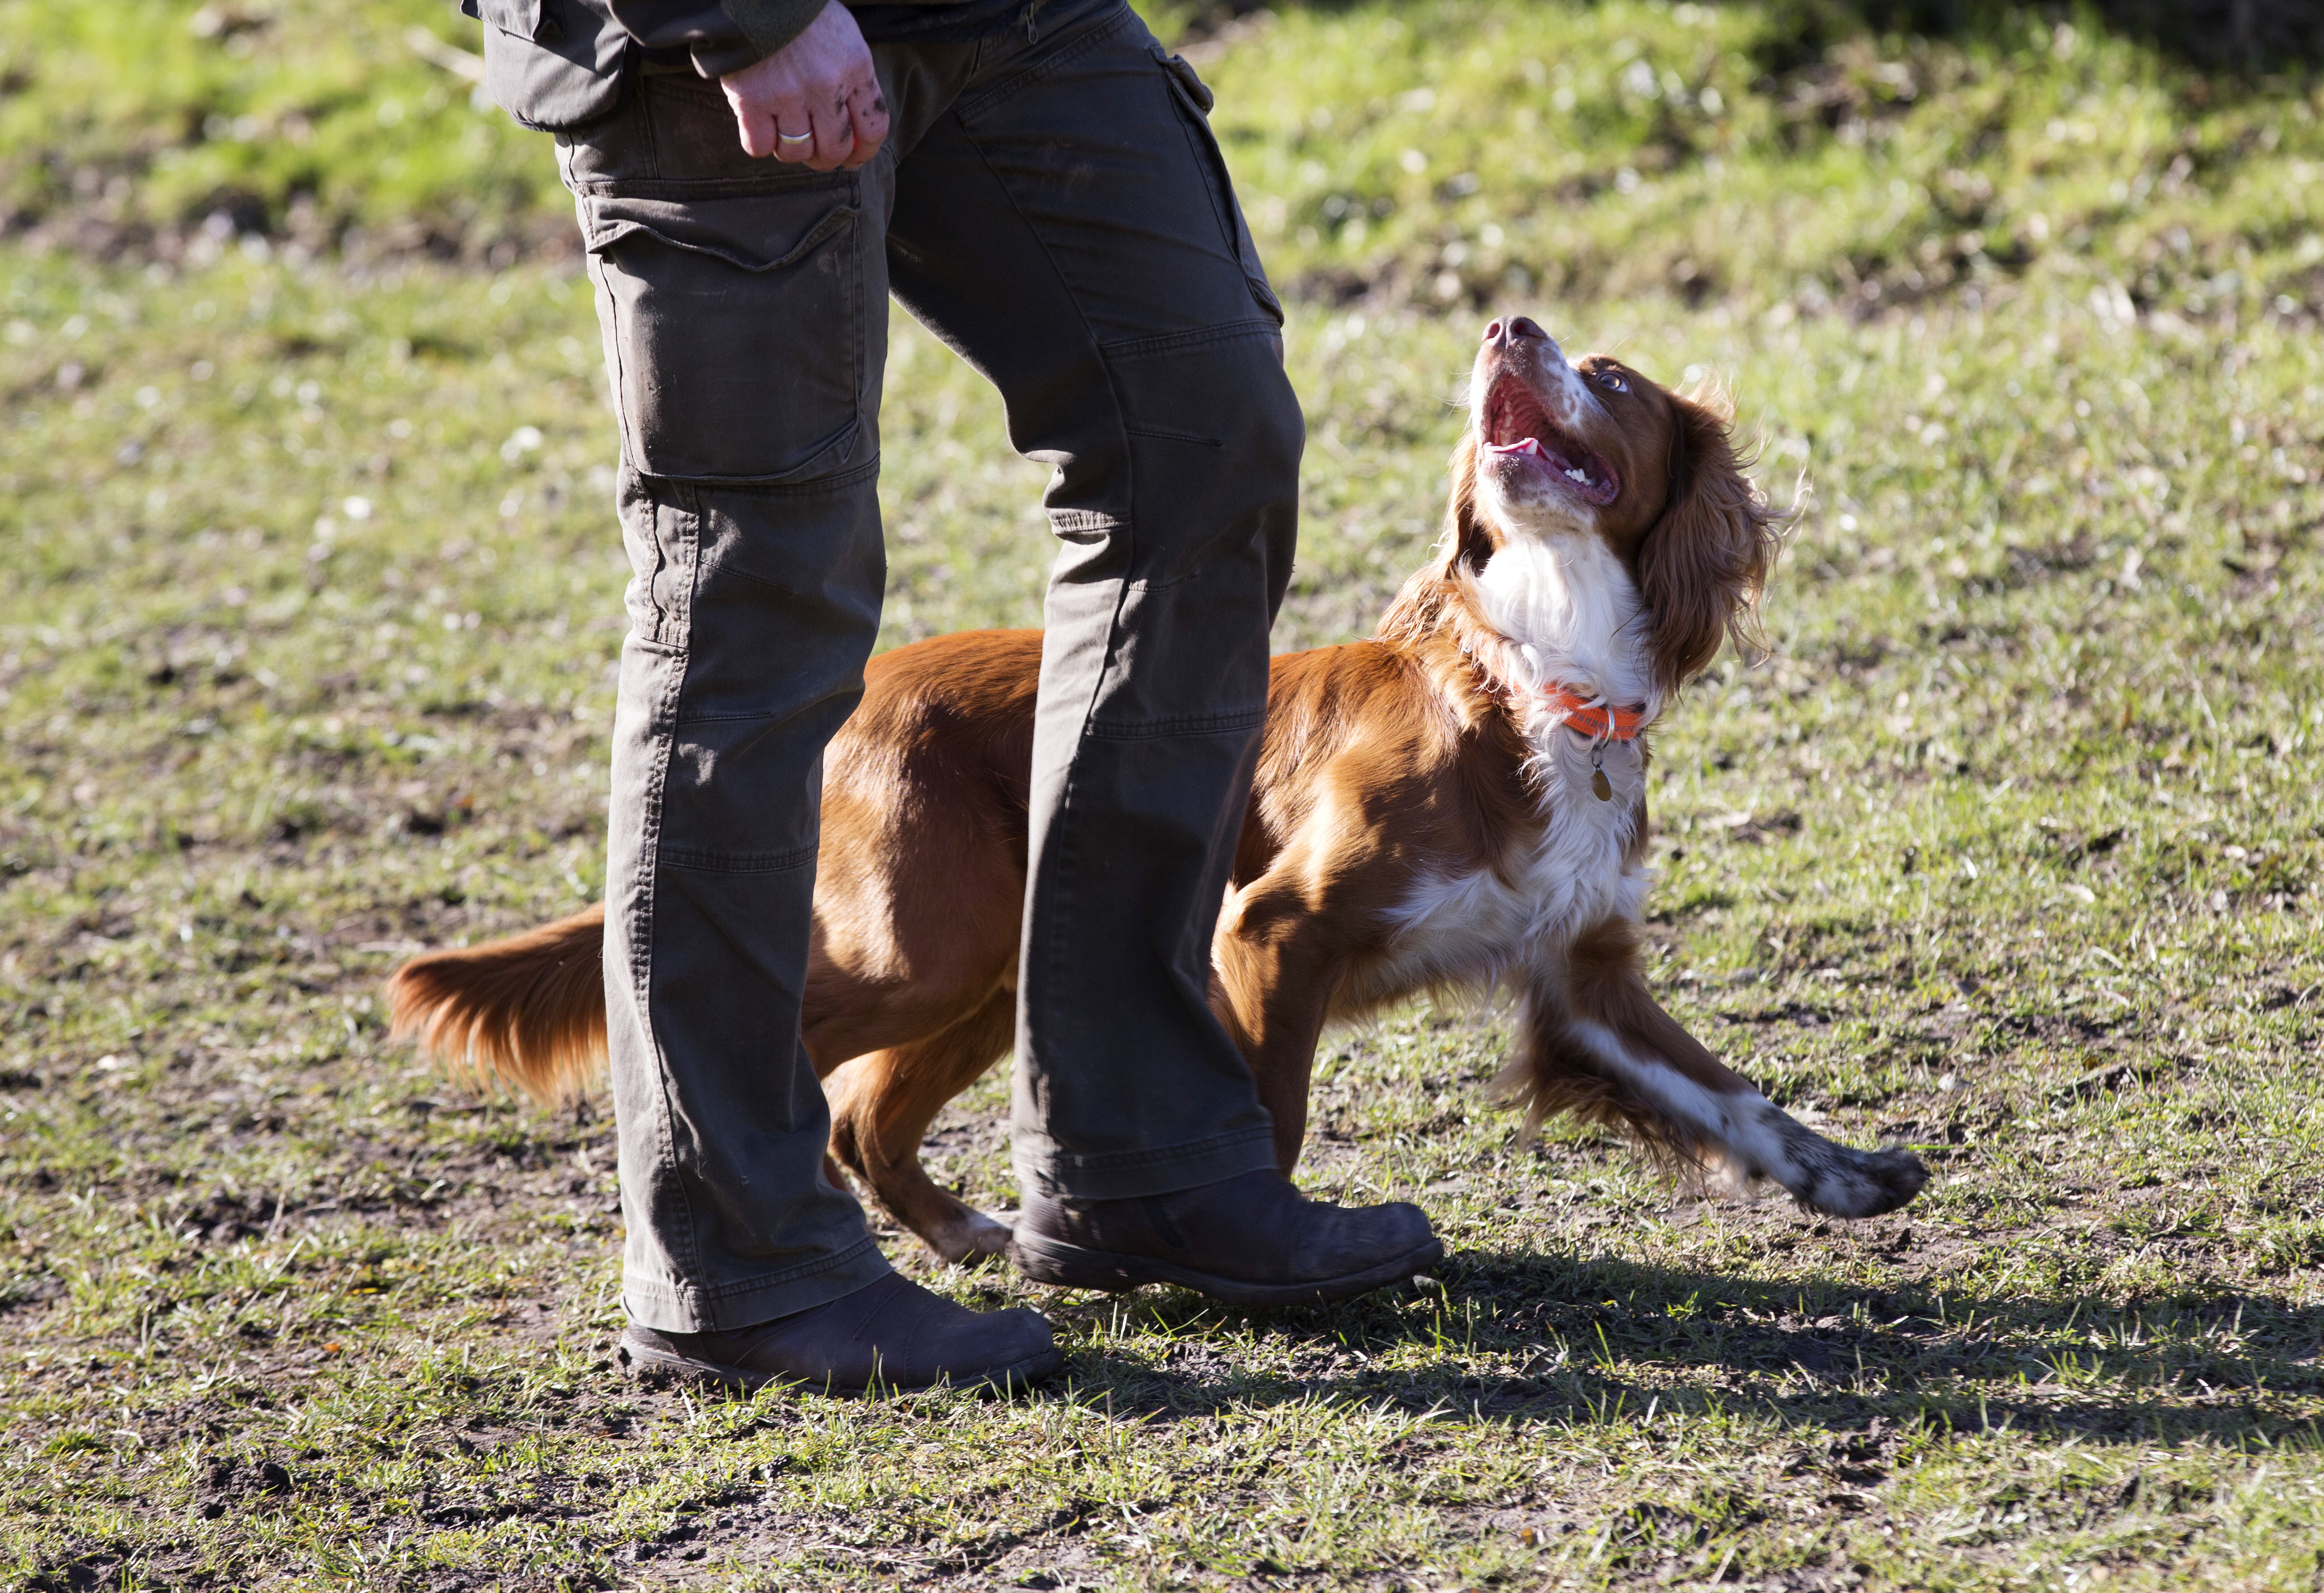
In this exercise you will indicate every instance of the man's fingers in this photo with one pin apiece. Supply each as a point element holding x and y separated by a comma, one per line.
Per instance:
<point>795,133</point>
<point>797,104</point>
<point>867,110</point>
<point>794,144</point>
<point>834,137</point>
<point>756,128</point>
<point>762,120</point>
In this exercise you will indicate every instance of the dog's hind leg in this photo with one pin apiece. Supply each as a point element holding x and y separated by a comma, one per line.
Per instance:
<point>882,1104</point>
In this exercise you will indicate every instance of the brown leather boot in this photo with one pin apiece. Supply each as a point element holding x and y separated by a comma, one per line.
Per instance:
<point>1250,1240</point>
<point>892,1334</point>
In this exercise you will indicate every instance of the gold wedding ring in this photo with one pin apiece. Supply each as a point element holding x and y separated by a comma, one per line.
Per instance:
<point>782,137</point>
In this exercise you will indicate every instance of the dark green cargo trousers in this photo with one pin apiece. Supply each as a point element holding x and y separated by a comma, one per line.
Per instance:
<point>1055,209</point>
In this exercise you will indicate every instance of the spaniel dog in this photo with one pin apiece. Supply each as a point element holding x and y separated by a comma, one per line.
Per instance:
<point>1458,803</point>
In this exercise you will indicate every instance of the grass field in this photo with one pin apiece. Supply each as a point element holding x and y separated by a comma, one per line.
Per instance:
<point>2012,851</point>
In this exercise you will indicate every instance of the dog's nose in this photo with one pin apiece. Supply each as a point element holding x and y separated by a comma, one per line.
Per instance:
<point>1512,330</point>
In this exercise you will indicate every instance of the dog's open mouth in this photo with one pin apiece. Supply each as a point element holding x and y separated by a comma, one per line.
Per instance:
<point>1517,427</point>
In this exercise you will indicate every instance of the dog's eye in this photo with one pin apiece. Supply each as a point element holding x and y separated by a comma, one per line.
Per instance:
<point>1612,381</point>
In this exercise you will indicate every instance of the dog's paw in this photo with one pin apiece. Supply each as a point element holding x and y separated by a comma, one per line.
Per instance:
<point>973,1238</point>
<point>1833,1179</point>
<point>1864,1183</point>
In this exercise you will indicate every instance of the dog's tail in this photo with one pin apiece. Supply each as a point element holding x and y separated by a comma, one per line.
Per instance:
<point>529,1010</point>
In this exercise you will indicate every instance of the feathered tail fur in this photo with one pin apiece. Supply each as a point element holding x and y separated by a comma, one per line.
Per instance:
<point>529,1010</point>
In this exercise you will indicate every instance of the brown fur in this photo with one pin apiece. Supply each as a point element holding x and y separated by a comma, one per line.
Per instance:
<point>1603,985</point>
<point>529,1010</point>
<point>1382,762</point>
<point>1703,567</point>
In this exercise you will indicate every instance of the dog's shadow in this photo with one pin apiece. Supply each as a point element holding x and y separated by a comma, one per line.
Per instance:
<point>1524,1337</point>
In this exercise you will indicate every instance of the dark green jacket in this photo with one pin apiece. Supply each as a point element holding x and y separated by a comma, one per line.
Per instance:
<point>559,63</point>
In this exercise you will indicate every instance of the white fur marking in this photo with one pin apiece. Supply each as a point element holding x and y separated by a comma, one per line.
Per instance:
<point>1755,1138</point>
<point>1736,1123</point>
<point>1569,612</point>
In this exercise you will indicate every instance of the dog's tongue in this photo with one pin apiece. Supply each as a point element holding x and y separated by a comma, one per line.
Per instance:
<point>1528,446</point>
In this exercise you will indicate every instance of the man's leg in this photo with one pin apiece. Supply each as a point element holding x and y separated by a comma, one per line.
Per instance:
<point>744,309</point>
<point>1069,226</point>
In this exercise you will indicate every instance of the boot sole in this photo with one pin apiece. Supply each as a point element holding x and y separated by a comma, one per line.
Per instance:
<point>1071,1267</point>
<point>643,1362</point>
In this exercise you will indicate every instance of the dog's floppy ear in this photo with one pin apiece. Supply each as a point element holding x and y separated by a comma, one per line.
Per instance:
<point>1467,544</point>
<point>1704,562</point>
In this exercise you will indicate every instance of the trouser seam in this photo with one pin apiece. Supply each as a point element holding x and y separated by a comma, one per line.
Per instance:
<point>859,334</point>
<point>649,871</point>
<point>1121,1160</point>
<point>640,99</point>
<point>1191,726</point>
<point>736,862</point>
<point>709,1292</point>
<point>595,266</point>
<point>1207,161</point>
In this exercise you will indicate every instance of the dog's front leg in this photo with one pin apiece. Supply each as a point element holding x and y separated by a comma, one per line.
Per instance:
<point>1273,978</point>
<point>1594,1041</point>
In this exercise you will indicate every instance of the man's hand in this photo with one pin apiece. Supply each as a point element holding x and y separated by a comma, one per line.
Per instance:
<point>816,101</point>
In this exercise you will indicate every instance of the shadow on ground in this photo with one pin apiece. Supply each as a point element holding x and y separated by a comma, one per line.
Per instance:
<point>1600,1341</point>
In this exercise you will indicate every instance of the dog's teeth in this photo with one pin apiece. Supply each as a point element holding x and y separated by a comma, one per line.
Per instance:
<point>1577,475</point>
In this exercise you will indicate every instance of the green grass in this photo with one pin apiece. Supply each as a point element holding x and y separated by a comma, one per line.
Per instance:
<point>1468,152</point>
<point>2013,850</point>
<point>135,124</point>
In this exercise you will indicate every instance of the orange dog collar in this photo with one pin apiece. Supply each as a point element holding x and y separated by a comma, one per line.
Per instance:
<point>1600,722</point>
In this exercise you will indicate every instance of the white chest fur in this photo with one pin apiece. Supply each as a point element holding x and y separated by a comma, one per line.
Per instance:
<point>1570,616</point>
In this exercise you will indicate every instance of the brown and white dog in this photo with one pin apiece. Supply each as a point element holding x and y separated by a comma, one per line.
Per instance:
<point>1458,803</point>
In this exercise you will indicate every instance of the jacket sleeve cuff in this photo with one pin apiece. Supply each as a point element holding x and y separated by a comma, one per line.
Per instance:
<point>768,24</point>
<point>715,61</point>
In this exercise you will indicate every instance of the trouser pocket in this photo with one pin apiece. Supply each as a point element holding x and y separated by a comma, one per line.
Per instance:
<point>1214,437</point>
<point>1194,100</point>
<point>737,328</point>
<point>525,19</point>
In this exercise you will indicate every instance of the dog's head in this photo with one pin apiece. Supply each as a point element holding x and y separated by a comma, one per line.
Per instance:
<point>1557,449</point>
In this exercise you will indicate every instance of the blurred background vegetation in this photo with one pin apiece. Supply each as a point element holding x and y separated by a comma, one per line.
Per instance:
<point>1809,150</point>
